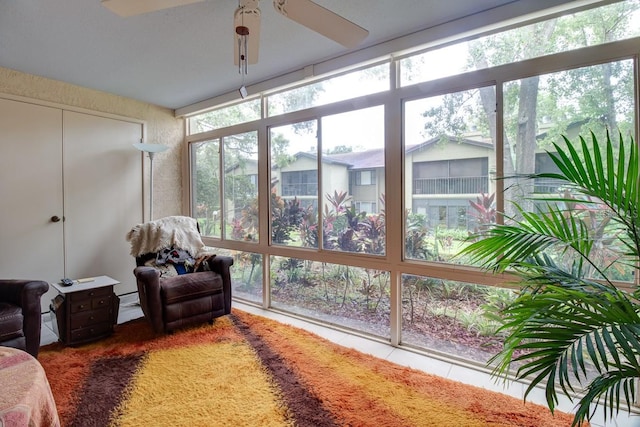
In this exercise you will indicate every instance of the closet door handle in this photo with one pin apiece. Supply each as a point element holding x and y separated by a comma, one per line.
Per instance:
<point>55,218</point>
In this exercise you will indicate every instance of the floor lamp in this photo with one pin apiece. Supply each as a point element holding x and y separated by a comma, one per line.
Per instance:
<point>151,150</point>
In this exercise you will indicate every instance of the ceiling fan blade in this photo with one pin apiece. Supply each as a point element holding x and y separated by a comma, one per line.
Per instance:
<point>137,7</point>
<point>322,21</point>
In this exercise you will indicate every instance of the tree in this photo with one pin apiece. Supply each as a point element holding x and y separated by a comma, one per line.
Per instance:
<point>340,149</point>
<point>226,116</point>
<point>597,97</point>
<point>280,156</point>
<point>207,186</point>
<point>240,156</point>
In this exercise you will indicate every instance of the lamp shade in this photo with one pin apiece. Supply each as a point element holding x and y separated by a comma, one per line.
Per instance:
<point>150,148</point>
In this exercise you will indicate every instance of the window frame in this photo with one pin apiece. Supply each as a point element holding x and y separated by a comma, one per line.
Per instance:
<point>394,260</point>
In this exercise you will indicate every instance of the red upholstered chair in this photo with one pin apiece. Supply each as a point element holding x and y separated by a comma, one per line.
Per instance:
<point>174,301</point>
<point>20,318</point>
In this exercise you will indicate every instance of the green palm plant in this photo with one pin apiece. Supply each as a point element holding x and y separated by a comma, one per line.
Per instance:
<point>572,327</point>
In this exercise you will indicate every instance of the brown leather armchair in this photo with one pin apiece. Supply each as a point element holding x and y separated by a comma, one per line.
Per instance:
<point>174,302</point>
<point>196,292</point>
<point>20,317</point>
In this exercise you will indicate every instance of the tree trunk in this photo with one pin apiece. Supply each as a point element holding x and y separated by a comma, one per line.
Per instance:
<point>526,143</point>
<point>489,105</point>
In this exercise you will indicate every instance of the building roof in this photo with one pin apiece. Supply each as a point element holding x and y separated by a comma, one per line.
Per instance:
<point>369,159</point>
<point>451,139</point>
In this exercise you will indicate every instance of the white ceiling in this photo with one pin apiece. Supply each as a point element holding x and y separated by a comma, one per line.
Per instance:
<point>180,56</point>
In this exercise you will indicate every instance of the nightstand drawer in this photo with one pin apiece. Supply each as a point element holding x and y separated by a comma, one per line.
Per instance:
<point>90,293</point>
<point>77,305</point>
<point>91,332</point>
<point>97,302</point>
<point>90,318</point>
<point>100,302</point>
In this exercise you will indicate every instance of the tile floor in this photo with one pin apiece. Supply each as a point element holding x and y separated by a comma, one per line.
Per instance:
<point>456,371</point>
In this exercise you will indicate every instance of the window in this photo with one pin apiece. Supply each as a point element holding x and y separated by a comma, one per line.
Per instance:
<point>350,85</point>
<point>353,140</point>
<point>357,298</point>
<point>445,213</point>
<point>463,176</point>
<point>300,183</point>
<point>233,216</point>
<point>453,147</point>
<point>240,210</point>
<point>206,187</point>
<point>464,313</point>
<point>246,274</point>
<point>449,153</point>
<point>598,99</point>
<point>365,177</point>
<point>575,30</point>
<point>294,184</point>
<point>227,116</point>
<point>367,207</point>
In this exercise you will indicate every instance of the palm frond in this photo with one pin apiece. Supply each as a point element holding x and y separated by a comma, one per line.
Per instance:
<point>557,328</point>
<point>565,329</point>
<point>507,246</point>
<point>610,386</point>
<point>612,180</point>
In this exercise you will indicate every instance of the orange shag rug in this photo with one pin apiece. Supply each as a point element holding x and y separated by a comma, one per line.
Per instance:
<point>245,370</point>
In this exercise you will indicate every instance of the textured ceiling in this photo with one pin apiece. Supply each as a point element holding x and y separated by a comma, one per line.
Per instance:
<point>176,57</point>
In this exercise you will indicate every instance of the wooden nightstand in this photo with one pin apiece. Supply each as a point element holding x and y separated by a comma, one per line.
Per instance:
<point>87,310</point>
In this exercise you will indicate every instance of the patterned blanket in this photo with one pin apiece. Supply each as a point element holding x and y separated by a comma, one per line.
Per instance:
<point>172,231</point>
<point>25,396</point>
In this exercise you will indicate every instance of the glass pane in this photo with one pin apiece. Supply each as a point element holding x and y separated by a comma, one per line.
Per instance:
<point>241,186</point>
<point>453,317</point>
<point>294,178</point>
<point>353,171</point>
<point>350,297</point>
<point>449,159</point>
<point>205,182</point>
<point>605,24</point>
<point>227,116</point>
<point>358,83</point>
<point>246,274</point>
<point>538,112</point>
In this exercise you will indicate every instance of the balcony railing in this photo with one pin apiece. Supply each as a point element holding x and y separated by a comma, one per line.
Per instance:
<point>454,185</point>
<point>546,185</point>
<point>300,189</point>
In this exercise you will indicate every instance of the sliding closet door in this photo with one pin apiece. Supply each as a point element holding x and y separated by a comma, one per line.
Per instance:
<point>102,196</point>
<point>31,227</point>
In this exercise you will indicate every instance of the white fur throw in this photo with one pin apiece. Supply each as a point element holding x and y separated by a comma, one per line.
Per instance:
<point>178,231</point>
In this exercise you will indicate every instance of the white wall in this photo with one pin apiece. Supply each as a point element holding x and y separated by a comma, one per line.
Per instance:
<point>161,127</point>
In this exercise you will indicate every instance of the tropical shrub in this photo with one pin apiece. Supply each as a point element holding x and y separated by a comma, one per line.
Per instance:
<point>571,325</point>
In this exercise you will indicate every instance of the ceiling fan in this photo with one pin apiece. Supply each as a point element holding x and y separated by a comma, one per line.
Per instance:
<point>247,21</point>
